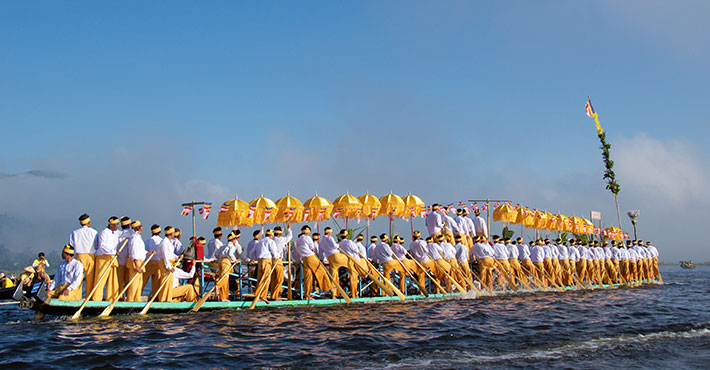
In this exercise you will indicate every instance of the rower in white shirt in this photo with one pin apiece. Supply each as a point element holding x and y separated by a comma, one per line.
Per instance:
<point>211,248</point>
<point>653,251</point>
<point>277,277</point>
<point>463,269</point>
<point>573,254</point>
<point>563,258</point>
<point>329,250</point>
<point>479,224</point>
<point>166,250</point>
<point>152,269</point>
<point>501,256</point>
<point>526,265</point>
<point>183,293</point>
<point>357,267</point>
<point>83,240</point>
<point>305,248</point>
<point>513,259</point>
<point>106,248</point>
<point>483,253</point>
<point>537,257</point>
<point>433,221</point>
<point>418,251</point>
<point>227,256</point>
<point>436,252</point>
<point>463,228</point>
<point>385,257</point>
<point>265,252</point>
<point>371,249</point>
<point>122,270</point>
<point>67,281</point>
<point>451,227</point>
<point>136,256</point>
<point>176,241</point>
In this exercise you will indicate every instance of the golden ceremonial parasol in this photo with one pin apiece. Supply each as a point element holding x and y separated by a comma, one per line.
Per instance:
<point>540,219</point>
<point>528,217</point>
<point>289,209</point>
<point>588,226</point>
<point>370,209</point>
<point>262,210</point>
<point>549,217</point>
<point>317,209</point>
<point>235,215</point>
<point>614,233</point>
<point>392,206</point>
<point>413,206</point>
<point>562,221</point>
<point>577,225</point>
<point>347,206</point>
<point>505,213</point>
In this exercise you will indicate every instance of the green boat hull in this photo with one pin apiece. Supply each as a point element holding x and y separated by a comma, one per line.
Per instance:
<point>94,308</point>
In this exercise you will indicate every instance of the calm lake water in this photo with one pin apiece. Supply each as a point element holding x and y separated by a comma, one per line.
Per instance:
<point>656,326</point>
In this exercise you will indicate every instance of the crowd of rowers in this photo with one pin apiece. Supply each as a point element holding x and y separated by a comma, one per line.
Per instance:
<point>459,256</point>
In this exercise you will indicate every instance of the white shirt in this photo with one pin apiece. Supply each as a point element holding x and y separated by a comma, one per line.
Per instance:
<point>453,226</point>
<point>653,250</point>
<point>562,252</point>
<point>107,242</point>
<point>282,242</point>
<point>251,249</point>
<point>151,245</point>
<point>623,253</point>
<point>418,250</point>
<point>83,239</point>
<point>461,253</point>
<point>136,250</point>
<point>463,225</point>
<point>328,246</point>
<point>433,222</point>
<point>537,253</point>
<point>123,256</point>
<point>633,256</point>
<point>371,251</point>
<point>351,248</point>
<point>434,251</point>
<point>523,252</point>
<point>166,250</point>
<point>480,225</point>
<point>265,248</point>
<point>383,252</point>
<point>469,225</point>
<point>304,247</point>
<point>482,250</point>
<point>181,274</point>
<point>448,250</point>
<point>178,246</point>
<point>399,251</point>
<point>500,251</point>
<point>512,251</point>
<point>573,253</point>
<point>68,273</point>
<point>211,247</point>
<point>553,251</point>
<point>230,250</point>
<point>608,254</point>
<point>361,249</point>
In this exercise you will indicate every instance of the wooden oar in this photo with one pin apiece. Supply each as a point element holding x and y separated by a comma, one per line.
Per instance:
<point>392,287</point>
<point>431,278</point>
<point>216,283</point>
<point>6,303</point>
<point>103,274</point>
<point>407,272</point>
<point>548,277</point>
<point>505,273</point>
<point>109,308</point>
<point>162,286</point>
<point>259,288</point>
<point>533,278</point>
<point>466,278</point>
<point>456,284</point>
<point>335,282</point>
<point>488,288</point>
<point>373,277</point>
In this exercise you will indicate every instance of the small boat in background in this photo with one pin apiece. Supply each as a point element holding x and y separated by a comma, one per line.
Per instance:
<point>687,264</point>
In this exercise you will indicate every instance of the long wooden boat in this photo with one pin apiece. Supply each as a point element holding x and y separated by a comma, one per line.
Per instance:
<point>93,308</point>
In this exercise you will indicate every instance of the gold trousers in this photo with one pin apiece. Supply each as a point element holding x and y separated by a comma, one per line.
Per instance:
<point>223,286</point>
<point>277,278</point>
<point>133,294</point>
<point>485,270</point>
<point>184,293</point>
<point>110,280</point>
<point>87,260</point>
<point>311,268</point>
<point>335,262</point>
<point>166,281</point>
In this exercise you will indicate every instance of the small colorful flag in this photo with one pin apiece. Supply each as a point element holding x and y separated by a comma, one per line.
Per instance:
<point>224,208</point>
<point>485,207</point>
<point>252,210</point>
<point>589,109</point>
<point>205,210</point>
<point>517,206</point>
<point>186,210</point>
<point>496,205</point>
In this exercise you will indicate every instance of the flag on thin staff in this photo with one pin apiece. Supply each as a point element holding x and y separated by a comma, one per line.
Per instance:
<point>205,210</point>
<point>485,207</point>
<point>496,205</point>
<point>186,210</point>
<point>224,208</point>
<point>589,109</point>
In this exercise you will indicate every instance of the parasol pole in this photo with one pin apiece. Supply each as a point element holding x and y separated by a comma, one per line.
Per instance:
<point>488,216</point>
<point>193,220</point>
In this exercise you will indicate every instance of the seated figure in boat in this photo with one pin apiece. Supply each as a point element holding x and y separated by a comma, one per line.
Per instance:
<point>69,276</point>
<point>187,292</point>
<point>5,281</point>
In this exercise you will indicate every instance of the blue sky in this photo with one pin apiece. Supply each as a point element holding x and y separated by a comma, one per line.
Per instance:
<point>136,107</point>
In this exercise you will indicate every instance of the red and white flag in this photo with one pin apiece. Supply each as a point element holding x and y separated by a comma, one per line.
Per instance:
<point>186,210</point>
<point>306,213</point>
